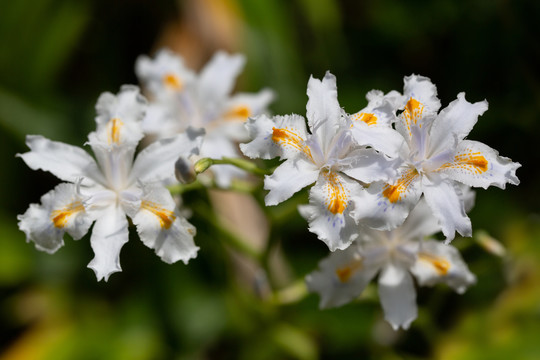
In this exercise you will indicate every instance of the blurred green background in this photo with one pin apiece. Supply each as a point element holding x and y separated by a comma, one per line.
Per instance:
<point>57,56</point>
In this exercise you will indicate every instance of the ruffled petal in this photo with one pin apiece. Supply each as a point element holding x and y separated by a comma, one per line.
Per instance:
<point>444,199</point>
<point>423,90</point>
<point>328,212</point>
<point>454,123</point>
<point>341,278</point>
<point>282,136</point>
<point>478,165</point>
<point>384,206</point>
<point>323,110</point>
<point>437,262</point>
<point>156,162</point>
<point>64,161</point>
<point>164,74</point>
<point>109,234</point>
<point>61,210</point>
<point>288,178</point>
<point>119,116</point>
<point>397,296</point>
<point>245,105</point>
<point>217,79</point>
<point>162,229</point>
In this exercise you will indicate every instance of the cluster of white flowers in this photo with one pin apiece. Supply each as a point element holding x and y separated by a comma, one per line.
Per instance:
<point>370,170</point>
<point>190,115</point>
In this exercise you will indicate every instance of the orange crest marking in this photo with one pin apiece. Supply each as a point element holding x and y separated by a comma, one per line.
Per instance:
<point>336,194</point>
<point>241,111</point>
<point>394,193</point>
<point>166,217</point>
<point>345,273</point>
<point>412,113</point>
<point>286,137</point>
<point>368,118</point>
<point>441,265</point>
<point>172,82</point>
<point>61,217</point>
<point>474,162</point>
<point>113,135</point>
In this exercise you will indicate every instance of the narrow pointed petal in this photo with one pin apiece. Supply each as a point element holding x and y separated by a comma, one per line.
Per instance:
<point>454,123</point>
<point>341,278</point>
<point>217,79</point>
<point>64,161</point>
<point>328,212</point>
<point>323,110</point>
<point>164,230</point>
<point>397,296</point>
<point>444,199</point>
<point>289,177</point>
<point>437,262</point>
<point>282,136</point>
<point>156,162</point>
<point>478,165</point>
<point>109,234</point>
<point>61,210</point>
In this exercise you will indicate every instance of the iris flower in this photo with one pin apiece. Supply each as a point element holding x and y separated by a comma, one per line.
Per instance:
<point>106,189</point>
<point>396,256</point>
<point>327,155</point>
<point>435,158</point>
<point>181,98</point>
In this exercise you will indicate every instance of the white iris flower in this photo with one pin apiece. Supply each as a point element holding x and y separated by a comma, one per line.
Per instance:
<point>327,155</point>
<point>434,159</point>
<point>396,256</point>
<point>110,187</point>
<point>181,98</point>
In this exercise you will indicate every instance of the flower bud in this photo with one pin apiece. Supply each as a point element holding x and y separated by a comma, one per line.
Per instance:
<point>202,165</point>
<point>184,171</point>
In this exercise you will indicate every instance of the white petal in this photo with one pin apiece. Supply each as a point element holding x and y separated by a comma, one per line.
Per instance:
<point>422,89</point>
<point>398,297</point>
<point>478,165</point>
<point>454,123</point>
<point>328,212</point>
<point>217,146</point>
<point>64,161</point>
<point>288,178</point>
<point>383,139</point>
<point>60,210</point>
<point>119,116</point>
<point>419,223</point>
<point>444,199</point>
<point>244,105</point>
<point>164,74</point>
<point>109,234</point>
<point>383,206</point>
<point>323,110</point>
<point>217,79</point>
<point>156,162</point>
<point>341,278</point>
<point>368,166</point>
<point>164,230</point>
<point>281,136</point>
<point>438,262</point>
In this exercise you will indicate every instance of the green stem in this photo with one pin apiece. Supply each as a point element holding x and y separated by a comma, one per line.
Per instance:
<point>203,164</point>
